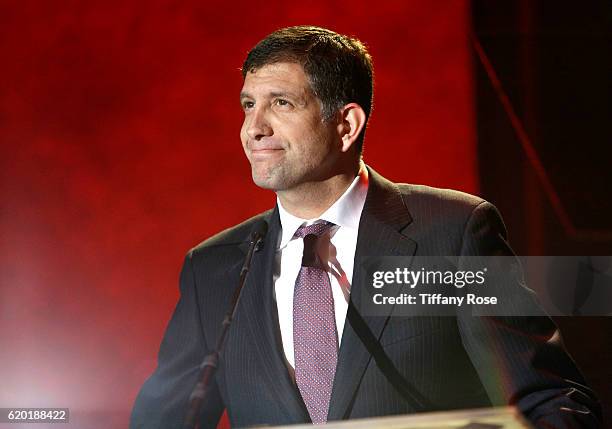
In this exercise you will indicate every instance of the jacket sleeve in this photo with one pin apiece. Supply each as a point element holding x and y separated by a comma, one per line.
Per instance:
<point>163,399</point>
<point>520,359</point>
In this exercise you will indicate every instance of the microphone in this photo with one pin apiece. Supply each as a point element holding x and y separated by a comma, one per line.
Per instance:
<point>208,367</point>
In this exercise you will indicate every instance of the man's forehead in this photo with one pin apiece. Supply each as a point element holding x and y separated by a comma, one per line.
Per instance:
<point>278,68</point>
<point>282,77</point>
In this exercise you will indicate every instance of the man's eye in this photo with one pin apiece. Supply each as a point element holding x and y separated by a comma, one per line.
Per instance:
<point>248,105</point>
<point>282,102</point>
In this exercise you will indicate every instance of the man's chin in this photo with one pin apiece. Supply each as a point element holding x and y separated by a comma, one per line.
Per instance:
<point>266,182</point>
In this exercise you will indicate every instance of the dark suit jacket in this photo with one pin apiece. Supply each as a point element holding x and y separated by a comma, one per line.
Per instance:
<point>386,365</point>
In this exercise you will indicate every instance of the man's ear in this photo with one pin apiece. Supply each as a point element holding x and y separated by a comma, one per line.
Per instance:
<point>352,121</point>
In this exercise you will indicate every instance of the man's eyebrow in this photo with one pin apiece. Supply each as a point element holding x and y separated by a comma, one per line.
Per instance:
<point>244,94</point>
<point>283,94</point>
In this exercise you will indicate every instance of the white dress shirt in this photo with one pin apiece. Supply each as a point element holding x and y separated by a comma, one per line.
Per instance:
<point>345,213</point>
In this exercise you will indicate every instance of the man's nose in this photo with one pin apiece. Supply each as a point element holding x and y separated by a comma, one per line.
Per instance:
<point>259,126</point>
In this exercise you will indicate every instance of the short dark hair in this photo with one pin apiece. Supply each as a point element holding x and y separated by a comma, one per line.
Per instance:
<point>338,67</point>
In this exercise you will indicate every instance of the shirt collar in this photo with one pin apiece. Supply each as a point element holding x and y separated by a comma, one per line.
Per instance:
<point>345,212</point>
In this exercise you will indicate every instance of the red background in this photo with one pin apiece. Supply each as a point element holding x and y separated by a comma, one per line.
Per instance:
<point>119,125</point>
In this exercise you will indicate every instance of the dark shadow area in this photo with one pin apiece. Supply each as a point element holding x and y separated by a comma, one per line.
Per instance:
<point>548,168</point>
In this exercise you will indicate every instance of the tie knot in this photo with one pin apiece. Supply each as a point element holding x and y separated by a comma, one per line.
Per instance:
<point>317,229</point>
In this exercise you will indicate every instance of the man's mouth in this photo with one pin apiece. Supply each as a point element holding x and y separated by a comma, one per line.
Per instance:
<point>265,153</point>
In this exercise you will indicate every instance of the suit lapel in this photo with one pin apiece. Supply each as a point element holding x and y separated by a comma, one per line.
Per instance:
<point>383,218</point>
<point>260,309</point>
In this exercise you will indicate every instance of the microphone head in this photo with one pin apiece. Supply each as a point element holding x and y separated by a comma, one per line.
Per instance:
<point>260,230</point>
<point>258,233</point>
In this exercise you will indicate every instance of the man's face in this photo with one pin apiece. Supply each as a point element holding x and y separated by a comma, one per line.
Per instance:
<point>283,135</point>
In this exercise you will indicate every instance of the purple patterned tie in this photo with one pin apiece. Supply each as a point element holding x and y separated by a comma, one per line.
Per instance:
<point>315,340</point>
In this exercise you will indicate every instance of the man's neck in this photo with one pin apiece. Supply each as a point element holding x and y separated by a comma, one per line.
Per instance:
<point>311,200</point>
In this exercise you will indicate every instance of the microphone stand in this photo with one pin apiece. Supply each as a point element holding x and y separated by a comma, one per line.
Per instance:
<point>208,367</point>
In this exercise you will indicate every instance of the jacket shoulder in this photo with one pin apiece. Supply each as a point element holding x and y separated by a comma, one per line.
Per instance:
<point>230,237</point>
<point>449,216</point>
<point>428,200</point>
<point>421,197</point>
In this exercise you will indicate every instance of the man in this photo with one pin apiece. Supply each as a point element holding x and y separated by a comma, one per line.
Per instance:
<point>300,349</point>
